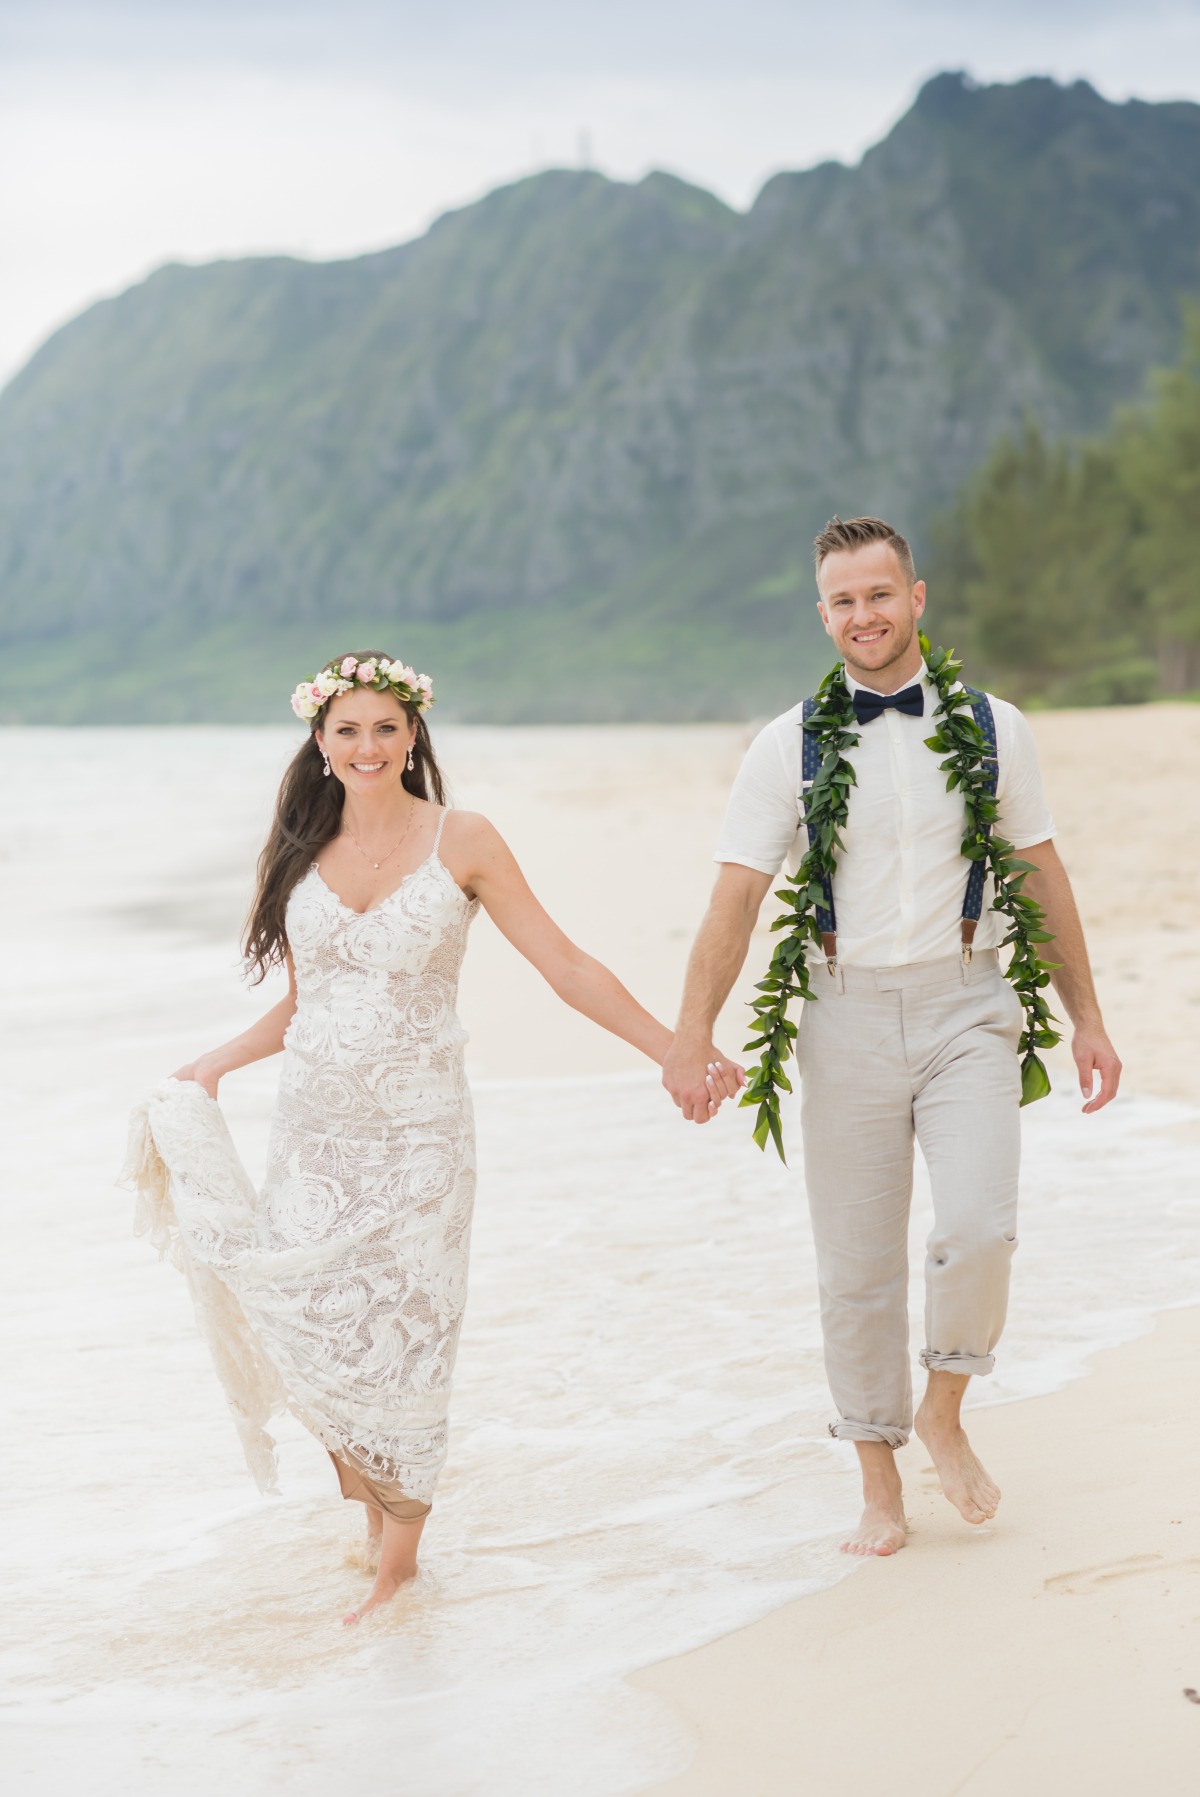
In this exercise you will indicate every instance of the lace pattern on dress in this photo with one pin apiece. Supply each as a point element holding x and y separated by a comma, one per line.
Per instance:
<point>338,1291</point>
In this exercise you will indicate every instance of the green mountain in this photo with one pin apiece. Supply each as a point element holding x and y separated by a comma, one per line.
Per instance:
<point>568,449</point>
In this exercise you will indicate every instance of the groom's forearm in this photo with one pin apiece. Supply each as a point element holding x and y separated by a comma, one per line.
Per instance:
<point>717,957</point>
<point>1072,980</point>
<point>714,964</point>
<point>720,948</point>
<point>1093,1053</point>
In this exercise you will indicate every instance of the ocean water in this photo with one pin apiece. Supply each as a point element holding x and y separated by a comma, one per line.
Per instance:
<point>639,1460</point>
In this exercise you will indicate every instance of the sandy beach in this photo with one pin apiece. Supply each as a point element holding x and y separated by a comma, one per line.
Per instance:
<point>1051,1653</point>
<point>628,868</point>
<point>640,1369</point>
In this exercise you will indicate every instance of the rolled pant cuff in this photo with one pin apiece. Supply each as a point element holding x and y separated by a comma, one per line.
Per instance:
<point>976,1364</point>
<point>891,1437</point>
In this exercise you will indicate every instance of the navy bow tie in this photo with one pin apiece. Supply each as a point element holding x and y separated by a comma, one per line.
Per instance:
<point>868,705</point>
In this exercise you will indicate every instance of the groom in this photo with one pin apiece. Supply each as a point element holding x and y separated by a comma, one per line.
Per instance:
<point>912,1034</point>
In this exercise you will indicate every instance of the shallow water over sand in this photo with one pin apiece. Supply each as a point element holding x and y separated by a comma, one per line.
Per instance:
<point>638,1458</point>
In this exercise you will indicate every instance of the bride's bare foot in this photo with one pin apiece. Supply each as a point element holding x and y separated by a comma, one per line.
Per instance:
<point>382,1592</point>
<point>883,1529</point>
<point>373,1545</point>
<point>398,1542</point>
<point>974,1494</point>
<point>364,1554</point>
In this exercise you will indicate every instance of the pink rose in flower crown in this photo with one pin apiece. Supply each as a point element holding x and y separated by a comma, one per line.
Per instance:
<point>424,684</point>
<point>347,668</point>
<point>367,672</point>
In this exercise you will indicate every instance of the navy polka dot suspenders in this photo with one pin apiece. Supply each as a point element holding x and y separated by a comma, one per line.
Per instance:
<point>972,910</point>
<point>826,915</point>
<point>981,710</point>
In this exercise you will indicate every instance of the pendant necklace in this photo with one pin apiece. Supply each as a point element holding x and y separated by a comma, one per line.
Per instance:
<point>346,831</point>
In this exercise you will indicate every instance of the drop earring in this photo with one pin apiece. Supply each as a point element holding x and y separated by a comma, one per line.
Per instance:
<point>325,759</point>
<point>410,761</point>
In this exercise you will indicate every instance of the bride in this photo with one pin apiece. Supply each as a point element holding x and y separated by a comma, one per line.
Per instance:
<point>337,1292</point>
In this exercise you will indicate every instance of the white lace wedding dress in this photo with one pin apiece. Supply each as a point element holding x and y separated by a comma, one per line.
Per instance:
<point>337,1292</point>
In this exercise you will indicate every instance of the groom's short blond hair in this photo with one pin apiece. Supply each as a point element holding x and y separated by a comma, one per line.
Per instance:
<point>856,533</point>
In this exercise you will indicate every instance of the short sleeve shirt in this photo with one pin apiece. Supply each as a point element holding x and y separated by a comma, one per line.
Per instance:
<point>901,877</point>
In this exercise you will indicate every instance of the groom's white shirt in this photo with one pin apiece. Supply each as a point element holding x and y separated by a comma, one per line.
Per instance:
<point>901,877</point>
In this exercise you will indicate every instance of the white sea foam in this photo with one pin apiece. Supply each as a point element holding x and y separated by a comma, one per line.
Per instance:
<point>639,1461</point>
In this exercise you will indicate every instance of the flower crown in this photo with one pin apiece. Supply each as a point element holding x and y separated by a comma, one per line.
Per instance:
<point>380,674</point>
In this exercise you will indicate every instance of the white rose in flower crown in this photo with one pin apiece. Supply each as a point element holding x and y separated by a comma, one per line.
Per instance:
<point>310,695</point>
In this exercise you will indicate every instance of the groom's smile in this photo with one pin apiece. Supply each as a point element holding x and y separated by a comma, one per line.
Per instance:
<point>870,609</point>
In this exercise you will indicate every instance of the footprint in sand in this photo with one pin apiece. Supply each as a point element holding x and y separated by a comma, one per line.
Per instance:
<point>1094,1578</point>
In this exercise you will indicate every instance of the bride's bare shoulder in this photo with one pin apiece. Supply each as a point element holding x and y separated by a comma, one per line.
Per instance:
<point>467,826</point>
<point>470,833</point>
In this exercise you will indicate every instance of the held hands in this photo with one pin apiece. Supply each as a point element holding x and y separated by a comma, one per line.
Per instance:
<point>699,1079</point>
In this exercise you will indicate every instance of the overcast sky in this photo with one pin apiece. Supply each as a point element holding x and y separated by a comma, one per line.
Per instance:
<point>134,132</point>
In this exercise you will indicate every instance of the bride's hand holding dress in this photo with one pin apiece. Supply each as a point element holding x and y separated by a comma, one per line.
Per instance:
<point>262,1039</point>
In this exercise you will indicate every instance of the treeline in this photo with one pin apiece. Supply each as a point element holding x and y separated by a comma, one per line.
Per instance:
<point>1069,573</point>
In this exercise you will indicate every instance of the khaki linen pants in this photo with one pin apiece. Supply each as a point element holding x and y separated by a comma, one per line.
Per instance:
<point>886,1053</point>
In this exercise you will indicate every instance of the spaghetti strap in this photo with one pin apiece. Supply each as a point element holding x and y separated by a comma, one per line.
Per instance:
<point>437,841</point>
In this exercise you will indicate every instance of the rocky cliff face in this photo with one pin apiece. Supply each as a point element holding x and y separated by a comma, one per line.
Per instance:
<point>590,427</point>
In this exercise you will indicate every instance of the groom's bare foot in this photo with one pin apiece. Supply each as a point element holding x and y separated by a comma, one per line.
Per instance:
<point>883,1530</point>
<point>974,1494</point>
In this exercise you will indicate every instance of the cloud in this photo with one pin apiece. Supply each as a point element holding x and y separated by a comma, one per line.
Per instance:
<point>139,132</point>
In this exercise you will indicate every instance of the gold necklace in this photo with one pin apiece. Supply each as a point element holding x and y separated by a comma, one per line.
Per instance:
<point>347,831</point>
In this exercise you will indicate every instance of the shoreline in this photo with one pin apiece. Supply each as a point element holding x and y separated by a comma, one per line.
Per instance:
<point>1046,1653</point>
<point>645,1288</point>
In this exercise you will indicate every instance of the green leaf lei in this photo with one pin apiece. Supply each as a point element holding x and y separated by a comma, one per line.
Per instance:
<point>959,739</point>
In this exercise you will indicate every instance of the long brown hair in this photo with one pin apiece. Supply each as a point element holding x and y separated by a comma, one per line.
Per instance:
<point>308,814</point>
